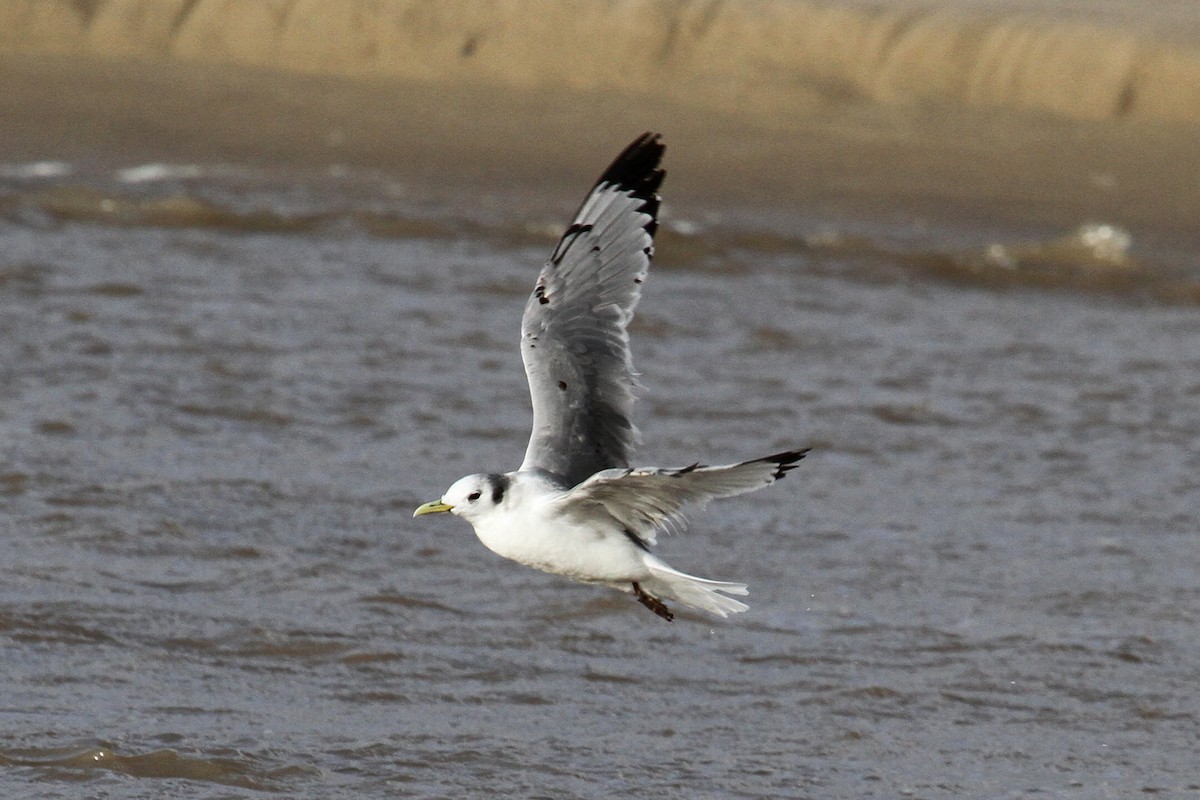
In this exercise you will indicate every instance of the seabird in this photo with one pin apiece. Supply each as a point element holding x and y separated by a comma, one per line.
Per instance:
<point>576,506</point>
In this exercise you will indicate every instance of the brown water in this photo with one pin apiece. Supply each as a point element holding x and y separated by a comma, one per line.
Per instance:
<point>222,392</point>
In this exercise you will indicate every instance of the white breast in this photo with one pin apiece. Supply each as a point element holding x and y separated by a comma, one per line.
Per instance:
<point>529,527</point>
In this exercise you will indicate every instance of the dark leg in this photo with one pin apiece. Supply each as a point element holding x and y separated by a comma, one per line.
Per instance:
<point>652,603</point>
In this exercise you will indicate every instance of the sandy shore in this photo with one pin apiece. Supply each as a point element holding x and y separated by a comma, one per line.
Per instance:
<point>1033,115</point>
<point>1072,58</point>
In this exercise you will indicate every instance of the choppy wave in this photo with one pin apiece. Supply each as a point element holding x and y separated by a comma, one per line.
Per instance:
<point>994,546</point>
<point>1091,247</point>
<point>35,169</point>
<point>85,761</point>
<point>1131,59</point>
<point>149,173</point>
<point>1095,256</point>
<point>171,196</point>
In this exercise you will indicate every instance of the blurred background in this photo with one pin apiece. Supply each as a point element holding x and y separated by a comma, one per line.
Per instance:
<point>262,264</point>
<point>983,114</point>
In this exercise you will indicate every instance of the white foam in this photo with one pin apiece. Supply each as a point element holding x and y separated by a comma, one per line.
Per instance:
<point>149,173</point>
<point>36,169</point>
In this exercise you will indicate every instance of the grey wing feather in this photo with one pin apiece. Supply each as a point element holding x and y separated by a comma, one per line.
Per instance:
<point>573,334</point>
<point>644,500</point>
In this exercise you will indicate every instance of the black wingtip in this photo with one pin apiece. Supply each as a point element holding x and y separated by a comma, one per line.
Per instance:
<point>786,461</point>
<point>638,168</point>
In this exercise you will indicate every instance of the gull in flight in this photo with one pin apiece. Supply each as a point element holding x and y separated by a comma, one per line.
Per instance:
<point>576,507</point>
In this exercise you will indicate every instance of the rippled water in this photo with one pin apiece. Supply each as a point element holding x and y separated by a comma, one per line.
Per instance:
<point>982,583</point>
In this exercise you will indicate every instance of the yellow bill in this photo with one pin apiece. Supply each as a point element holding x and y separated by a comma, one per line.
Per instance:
<point>434,507</point>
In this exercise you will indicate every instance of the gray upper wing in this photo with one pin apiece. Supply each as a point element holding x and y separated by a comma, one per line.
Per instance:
<point>573,334</point>
<point>643,500</point>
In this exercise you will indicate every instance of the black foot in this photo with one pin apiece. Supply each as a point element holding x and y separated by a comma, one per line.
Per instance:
<point>652,603</point>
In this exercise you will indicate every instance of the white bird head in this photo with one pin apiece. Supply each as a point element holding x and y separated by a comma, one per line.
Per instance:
<point>469,497</point>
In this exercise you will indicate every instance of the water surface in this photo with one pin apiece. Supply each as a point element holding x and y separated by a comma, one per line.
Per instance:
<point>217,416</point>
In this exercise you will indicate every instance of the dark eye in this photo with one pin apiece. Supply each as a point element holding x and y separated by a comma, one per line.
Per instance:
<point>473,496</point>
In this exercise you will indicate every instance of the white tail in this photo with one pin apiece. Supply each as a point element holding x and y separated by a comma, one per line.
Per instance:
<point>668,583</point>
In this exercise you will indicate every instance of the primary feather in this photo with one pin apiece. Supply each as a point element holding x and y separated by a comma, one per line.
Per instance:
<point>573,334</point>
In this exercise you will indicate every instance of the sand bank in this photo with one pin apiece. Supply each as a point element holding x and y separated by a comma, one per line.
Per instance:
<point>766,57</point>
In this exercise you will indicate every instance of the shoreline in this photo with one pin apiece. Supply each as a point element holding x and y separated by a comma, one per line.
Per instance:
<point>907,165</point>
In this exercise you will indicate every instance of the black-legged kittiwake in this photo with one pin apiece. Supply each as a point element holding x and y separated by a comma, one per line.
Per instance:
<point>576,507</point>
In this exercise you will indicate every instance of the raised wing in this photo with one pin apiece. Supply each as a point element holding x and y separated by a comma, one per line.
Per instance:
<point>573,334</point>
<point>644,500</point>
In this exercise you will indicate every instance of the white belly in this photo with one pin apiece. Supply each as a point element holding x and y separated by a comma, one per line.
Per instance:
<point>593,554</point>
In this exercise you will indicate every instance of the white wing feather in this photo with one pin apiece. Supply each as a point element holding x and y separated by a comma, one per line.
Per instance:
<point>646,499</point>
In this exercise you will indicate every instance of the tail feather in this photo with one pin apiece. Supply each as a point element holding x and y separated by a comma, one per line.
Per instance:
<point>668,583</point>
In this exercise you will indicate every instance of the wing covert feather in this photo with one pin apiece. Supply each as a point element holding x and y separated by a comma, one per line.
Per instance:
<point>645,499</point>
